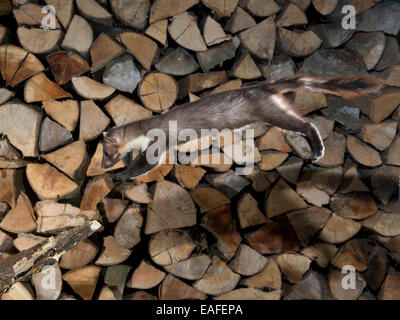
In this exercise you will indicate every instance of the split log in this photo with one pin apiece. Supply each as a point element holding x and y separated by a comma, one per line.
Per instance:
<point>48,182</point>
<point>320,252</point>
<point>78,160</point>
<point>66,65</point>
<point>186,33</point>
<point>93,121</point>
<point>369,45</point>
<point>10,157</point>
<point>313,287</point>
<point>11,186</point>
<point>249,214</point>
<point>299,44</point>
<point>79,256</point>
<point>142,48</point>
<point>385,224</point>
<point>221,8</point>
<point>380,135</point>
<point>393,152</point>
<point>38,255</point>
<point>307,222</point>
<point>5,7</point>
<point>290,169</point>
<point>191,269</point>
<point>391,54</point>
<point>247,261</point>
<point>145,277</point>
<point>263,8</point>
<point>188,177</point>
<point>380,18</point>
<point>229,183</point>
<point>353,206</point>
<point>79,36</point>
<point>170,246</point>
<point>276,237</point>
<point>390,288</point>
<point>199,81</point>
<point>103,50</point>
<point>218,279</point>
<point>378,109</point>
<point>294,266</point>
<point>83,281</point>
<point>213,33</point>
<point>53,135</point>
<point>49,39</point>
<point>64,112</point>
<point>338,229</point>
<point>5,95</point>
<point>158,91</point>
<point>245,68</point>
<point>115,277</point>
<point>92,10</point>
<point>91,89</point>
<point>132,13</point>
<point>158,31</point>
<point>127,230</point>
<point>281,66</point>
<point>250,294</point>
<point>138,194</point>
<point>354,253</point>
<point>307,189</point>
<point>122,74</point>
<point>64,10</point>
<point>217,55</point>
<point>282,199</point>
<point>124,110</point>
<point>291,16</point>
<point>169,197</point>
<point>96,190</point>
<point>168,8</point>
<point>239,21</point>
<point>41,88</point>
<point>114,208</point>
<point>352,182</point>
<point>268,277</point>
<point>208,198</point>
<point>362,153</point>
<point>53,216</point>
<point>21,124</point>
<point>177,63</point>
<point>332,34</point>
<point>325,7</point>
<point>174,289</point>
<point>95,168</point>
<point>221,224</point>
<point>272,159</point>
<point>21,218</point>
<point>106,294</point>
<point>250,38</point>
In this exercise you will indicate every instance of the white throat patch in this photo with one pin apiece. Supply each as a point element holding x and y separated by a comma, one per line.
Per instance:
<point>140,143</point>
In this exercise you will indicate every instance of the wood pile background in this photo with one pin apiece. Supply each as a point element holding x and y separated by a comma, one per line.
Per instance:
<point>197,232</point>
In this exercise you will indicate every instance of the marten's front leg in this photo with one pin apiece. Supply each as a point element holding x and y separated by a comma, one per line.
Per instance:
<point>279,112</point>
<point>136,168</point>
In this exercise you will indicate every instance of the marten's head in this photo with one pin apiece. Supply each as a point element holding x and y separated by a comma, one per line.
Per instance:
<point>111,153</point>
<point>119,141</point>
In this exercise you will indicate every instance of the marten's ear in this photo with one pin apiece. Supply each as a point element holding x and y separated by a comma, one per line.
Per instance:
<point>110,140</point>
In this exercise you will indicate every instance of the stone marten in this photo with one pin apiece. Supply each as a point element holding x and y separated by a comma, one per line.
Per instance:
<point>233,109</point>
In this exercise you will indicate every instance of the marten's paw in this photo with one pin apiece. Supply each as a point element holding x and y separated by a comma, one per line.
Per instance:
<point>318,154</point>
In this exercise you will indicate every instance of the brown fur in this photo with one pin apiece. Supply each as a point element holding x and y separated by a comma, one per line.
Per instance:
<point>236,108</point>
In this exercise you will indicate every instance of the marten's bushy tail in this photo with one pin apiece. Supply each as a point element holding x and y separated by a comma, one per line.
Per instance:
<point>344,86</point>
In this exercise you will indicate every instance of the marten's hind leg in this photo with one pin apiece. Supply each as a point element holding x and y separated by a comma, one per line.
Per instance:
<point>280,113</point>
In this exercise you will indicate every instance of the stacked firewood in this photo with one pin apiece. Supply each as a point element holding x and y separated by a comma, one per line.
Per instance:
<point>290,229</point>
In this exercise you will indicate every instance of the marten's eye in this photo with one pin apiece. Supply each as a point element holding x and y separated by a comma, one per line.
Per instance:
<point>107,154</point>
